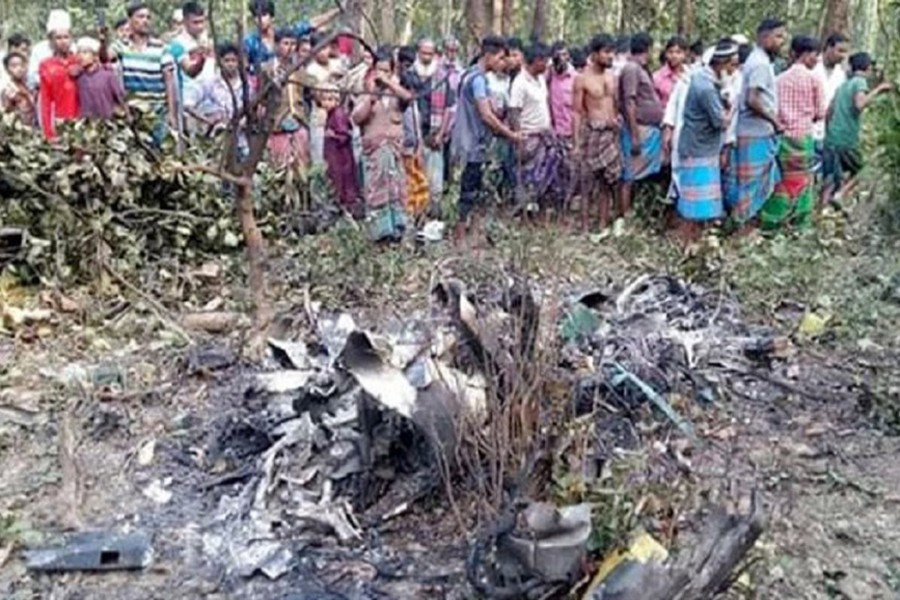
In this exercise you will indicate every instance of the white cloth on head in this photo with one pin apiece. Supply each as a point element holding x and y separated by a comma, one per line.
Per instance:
<point>178,15</point>
<point>740,39</point>
<point>58,20</point>
<point>87,44</point>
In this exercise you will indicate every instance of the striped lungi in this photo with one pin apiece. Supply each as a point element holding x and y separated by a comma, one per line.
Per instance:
<point>697,182</point>
<point>757,174</point>
<point>649,161</point>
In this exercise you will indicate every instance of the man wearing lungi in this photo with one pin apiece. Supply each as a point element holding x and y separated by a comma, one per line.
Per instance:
<point>758,124</point>
<point>801,104</point>
<point>596,128</point>
<point>696,178</point>
<point>541,154</point>
<point>641,137</point>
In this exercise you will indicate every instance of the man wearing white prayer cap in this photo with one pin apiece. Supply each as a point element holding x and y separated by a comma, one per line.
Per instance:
<point>57,89</point>
<point>57,20</point>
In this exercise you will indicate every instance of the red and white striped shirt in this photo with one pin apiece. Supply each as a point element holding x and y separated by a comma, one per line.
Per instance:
<point>801,100</point>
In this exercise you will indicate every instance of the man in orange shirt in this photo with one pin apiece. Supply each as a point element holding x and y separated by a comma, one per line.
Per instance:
<point>58,88</point>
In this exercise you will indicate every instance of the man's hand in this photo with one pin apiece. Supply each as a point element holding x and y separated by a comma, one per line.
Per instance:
<point>725,157</point>
<point>515,137</point>
<point>779,125</point>
<point>884,86</point>
<point>635,145</point>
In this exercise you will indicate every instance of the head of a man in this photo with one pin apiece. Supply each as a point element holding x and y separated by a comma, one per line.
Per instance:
<point>695,52</point>
<point>88,50</point>
<point>285,43</point>
<point>623,45</point>
<point>451,49</point>
<point>194,19</point>
<point>263,12</point>
<point>724,57</point>
<point>139,19</point>
<point>602,49</point>
<point>61,41</point>
<point>19,43</point>
<point>406,58</point>
<point>641,46</point>
<point>123,29</point>
<point>536,58</point>
<point>561,57</point>
<point>837,49</point>
<point>323,53</point>
<point>579,58</point>
<point>426,52</point>
<point>493,53</point>
<point>304,46</point>
<point>861,63</point>
<point>229,60</point>
<point>516,51</point>
<point>805,51</point>
<point>676,52</point>
<point>771,36</point>
<point>16,66</point>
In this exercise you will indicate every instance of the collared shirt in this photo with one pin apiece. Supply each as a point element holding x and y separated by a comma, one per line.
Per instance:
<point>58,92</point>
<point>664,81</point>
<point>801,100</point>
<point>831,78</point>
<point>213,97</point>
<point>561,89</point>
<point>636,84</point>
<point>704,117</point>
<point>758,74</point>
<point>529,95</point>
<point>144,68</point>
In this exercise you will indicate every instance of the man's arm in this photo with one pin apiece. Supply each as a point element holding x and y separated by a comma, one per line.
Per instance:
<point>629,85</point>
<point>820,101</point>
<point>45,91</point>
<point>755,82</point>
<point>171,93</point>
<point>578,112</point>
<point>862,99</point>
<point>516,102</point>
<point>486,111</point>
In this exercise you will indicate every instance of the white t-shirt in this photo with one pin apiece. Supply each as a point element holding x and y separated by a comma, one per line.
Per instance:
<point>831,80</point>
<point>529,94</point>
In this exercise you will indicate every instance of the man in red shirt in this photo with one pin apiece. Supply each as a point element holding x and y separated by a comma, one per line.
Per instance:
<point>58,88</point>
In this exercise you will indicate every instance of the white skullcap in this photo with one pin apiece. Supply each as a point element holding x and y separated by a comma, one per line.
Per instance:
<point>178,15</point>
<point>59,20</point>
<point>708,55</point>
<point>740,38</point>
<point>87,44</point>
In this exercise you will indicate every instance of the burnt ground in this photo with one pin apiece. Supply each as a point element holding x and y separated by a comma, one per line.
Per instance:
<point>823,467</point>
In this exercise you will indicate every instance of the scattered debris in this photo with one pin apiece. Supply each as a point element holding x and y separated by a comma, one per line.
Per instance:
<point>158,492</point>
<point>554,541</point>
<point>211,322</point>
<point>94,551</point>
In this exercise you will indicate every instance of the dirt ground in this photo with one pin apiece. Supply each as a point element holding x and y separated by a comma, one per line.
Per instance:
<point>81,460</point>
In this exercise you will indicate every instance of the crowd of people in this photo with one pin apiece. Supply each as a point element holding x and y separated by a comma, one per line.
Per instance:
<point>732,129</point>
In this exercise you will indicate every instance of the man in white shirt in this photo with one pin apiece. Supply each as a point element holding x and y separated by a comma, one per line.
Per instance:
<point>541,155</point>
<point>831,72</point>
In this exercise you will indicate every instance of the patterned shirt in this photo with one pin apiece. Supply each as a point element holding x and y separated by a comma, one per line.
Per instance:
<point>144,69</point>
<point>801,101</point>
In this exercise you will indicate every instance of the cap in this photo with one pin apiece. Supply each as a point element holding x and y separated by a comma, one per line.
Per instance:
<point>58,20</point>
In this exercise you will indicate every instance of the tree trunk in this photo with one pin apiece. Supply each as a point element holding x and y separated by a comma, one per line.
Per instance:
<point>837,17</point>
<point>539,25</point>
<point>476,17</point>
<point>686,18</point>
<point>506,25</point>
<point>388,28</point>
<point>256,263</point>
<point>497,16</point>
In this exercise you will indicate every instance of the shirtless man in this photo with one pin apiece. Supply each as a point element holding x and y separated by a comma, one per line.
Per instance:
<point>596,130</point>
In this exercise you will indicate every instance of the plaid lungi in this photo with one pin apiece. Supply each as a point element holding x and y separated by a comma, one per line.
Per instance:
<point>757,174</point>
<point>697,182</point>
<point>542,172</point>
<point>794,196</point>
<point>649,161</point>
<point>601,159</point>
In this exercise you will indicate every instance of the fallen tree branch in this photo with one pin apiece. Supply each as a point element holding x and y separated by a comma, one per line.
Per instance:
<point>158,309</point>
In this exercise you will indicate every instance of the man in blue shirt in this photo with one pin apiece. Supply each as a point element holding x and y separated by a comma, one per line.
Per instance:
<point>758,123</point>
<point>696,177</point>
<point>475,122</point>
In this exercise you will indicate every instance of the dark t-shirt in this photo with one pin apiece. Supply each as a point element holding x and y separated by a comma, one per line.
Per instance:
<point>635,83</point>
<point>100,92</point>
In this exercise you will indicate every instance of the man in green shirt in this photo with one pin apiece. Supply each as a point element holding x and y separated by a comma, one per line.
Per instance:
<point>842,158</point>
